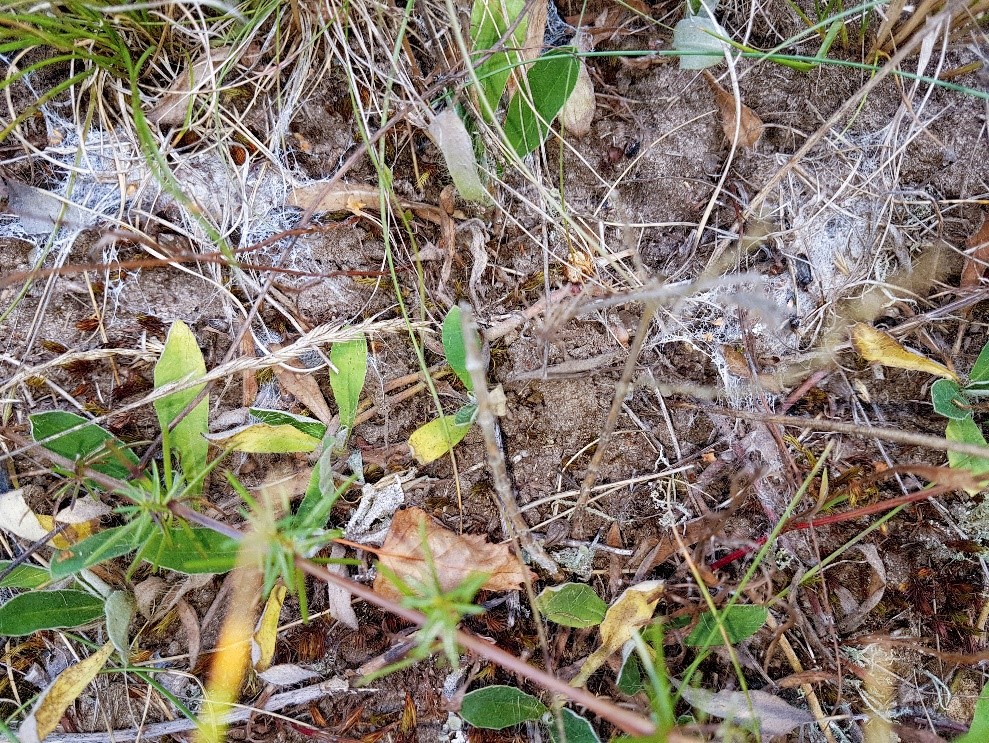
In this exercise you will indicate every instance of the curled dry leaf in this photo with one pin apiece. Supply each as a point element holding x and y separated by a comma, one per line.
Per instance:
<point>577,113</point>
<point>304,388</point>
<point>882,348</point>
<point>751,126</point>
<point>454,557</point>
<point>324,196</point>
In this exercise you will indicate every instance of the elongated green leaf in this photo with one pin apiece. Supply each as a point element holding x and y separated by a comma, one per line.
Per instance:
<point>979,731</point>
<point>572,605</point>
<point>30,612</point>
<point>949,400</point>
<point>309,426</point>
<point>92,445</point>
<point>436,438</point>
<point>119,611</point>
<point>498,707</point>
<point>453,346</point>
<point>740,622</point>
<point>104,545</point>
<point>980,372</point>
<point>263,438</point>
<point>23,576</point>
<point>181,361</point>
<point>551,81</point>
<point>350,359</point>
<point>191,550</point>
<point>576,729</point>
<point>489,20</point>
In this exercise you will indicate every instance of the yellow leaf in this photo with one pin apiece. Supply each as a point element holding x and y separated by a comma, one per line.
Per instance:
<point>436,438</point>
<point>882,348</point>
<point>264,438</point>
<point>631,611</point>
<point>62,692</point>
<point>263,647</point>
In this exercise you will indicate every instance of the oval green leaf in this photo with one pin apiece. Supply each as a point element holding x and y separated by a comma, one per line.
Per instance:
<point>38,610</point>
<point>980,372</point>
<point>576,729</point>
<point>967,431</point>
<point>740,622</point>
<point>949,400</point>
<point>572,605</point>
<point>350,360</point>
<point>498,707</point>
<point>436,438</point>
<point>263,438</point>
<point>453,346</point>
<point>97,448</point>
<point>191,550</point>
<point>551,81</point>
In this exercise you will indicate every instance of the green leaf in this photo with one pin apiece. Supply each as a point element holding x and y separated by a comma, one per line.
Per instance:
<point>572,605</point>
<point>191,550</point>
<point>119,611</point>
<point>350,359</point>
<point>104,545</point>
<point>309,426</point>
<point>630,675</point>
<point>23,576</point>
<point>30,612</point>
<point>967,431</point>
<point>98,448</point>
<point>980,372</point>
<point>949,400</point>
<point>453,346</point>
<point>436,438</point>
<point>740,622</point>
<point>575,729</point>
<point>466,415</point>
<point>498,707</point>
<point>979,731</point>
<point>489,20</point>
<point>182,360</point>
<point>551,81</point>
<point>262,438</point>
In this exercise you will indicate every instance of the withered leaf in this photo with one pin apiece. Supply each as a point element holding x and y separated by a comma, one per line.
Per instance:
<point>977,255</point>
<point>751,125</point>
<point>304,388</point>
<point>875,345</point>
<point>453,556</point>
<point>325,196</point>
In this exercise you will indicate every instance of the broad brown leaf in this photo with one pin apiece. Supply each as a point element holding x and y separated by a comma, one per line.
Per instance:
<point>453,556</point>
<point>751,125</point>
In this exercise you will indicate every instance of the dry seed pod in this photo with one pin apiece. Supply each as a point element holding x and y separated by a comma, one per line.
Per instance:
<point>577,113</point>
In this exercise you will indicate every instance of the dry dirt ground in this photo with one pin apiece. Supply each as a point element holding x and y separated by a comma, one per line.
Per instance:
<point>749,311</point>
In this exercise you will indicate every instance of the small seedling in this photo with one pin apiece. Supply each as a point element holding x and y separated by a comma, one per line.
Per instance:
<point>151,531</point>
<point>438,437</point>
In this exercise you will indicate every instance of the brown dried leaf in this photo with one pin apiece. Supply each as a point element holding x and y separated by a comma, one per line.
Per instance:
<point>751,125</point>
<point>977,255</point>
<point>322,196</point>
<point>190,623</point>
<point>303,388</point>
<point>775,717</point>
<point>453,556</point>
